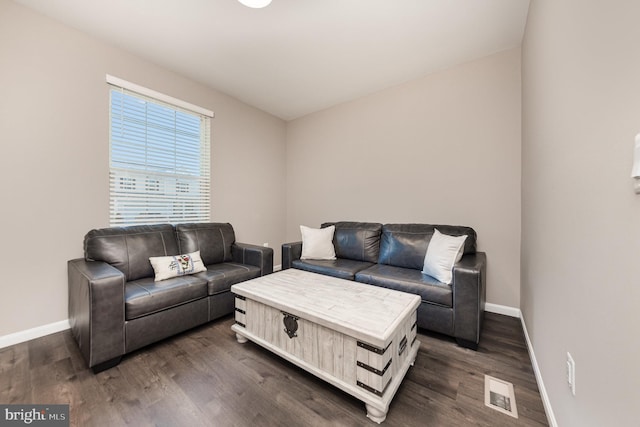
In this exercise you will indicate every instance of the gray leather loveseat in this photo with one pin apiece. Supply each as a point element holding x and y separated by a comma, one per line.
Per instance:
<point>392,256</point>
<point>116,306</point>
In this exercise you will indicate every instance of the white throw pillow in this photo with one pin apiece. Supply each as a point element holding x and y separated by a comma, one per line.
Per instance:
<point>317,243</point>
<point>167,267</point>
<point>442,253</point>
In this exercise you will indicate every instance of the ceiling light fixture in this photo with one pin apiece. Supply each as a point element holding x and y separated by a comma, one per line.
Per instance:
<point>256,4</point>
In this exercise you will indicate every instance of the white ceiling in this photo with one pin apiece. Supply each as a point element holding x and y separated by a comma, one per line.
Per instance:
<point>299,56</point>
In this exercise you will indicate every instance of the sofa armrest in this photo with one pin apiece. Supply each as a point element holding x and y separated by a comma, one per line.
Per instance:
<point>96,310</point>
<point>290,252</point>
<point>469,296</point>
<point>259,256</point>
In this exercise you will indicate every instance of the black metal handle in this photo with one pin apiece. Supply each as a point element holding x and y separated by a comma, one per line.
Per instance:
<point>403,345</point>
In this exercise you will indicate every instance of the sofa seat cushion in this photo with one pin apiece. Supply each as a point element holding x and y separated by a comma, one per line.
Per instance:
<point>342,268</point>
<point>408,280</point>
<point>145,296</point>
<point>221,276</point>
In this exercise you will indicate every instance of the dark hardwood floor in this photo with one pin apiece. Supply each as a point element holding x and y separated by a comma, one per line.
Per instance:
<point>204,377</point>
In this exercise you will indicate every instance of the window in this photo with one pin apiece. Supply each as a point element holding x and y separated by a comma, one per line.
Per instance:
<point>159,167</point>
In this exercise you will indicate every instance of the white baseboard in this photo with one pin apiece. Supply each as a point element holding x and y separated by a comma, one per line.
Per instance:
<point>515,312</point>
<point>551,418</point>
<point>277,267</point>
<point>33,333</point>
<point>502,309</point>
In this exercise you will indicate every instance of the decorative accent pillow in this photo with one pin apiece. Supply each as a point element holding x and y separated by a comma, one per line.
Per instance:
<point>442,253</point>
<point>317,243</point>
<point>167,267</point>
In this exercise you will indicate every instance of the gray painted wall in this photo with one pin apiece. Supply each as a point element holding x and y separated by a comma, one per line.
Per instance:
<point>580,216</point>
<point>55,157</point>
<point>443,149</point>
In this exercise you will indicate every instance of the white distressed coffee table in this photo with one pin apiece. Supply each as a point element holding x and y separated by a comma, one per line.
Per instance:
<point>357,337</point>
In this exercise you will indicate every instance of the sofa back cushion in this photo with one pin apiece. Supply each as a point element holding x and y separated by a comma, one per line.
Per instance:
<point>212,239</point>
<point>128,248</point>
<point>405,245</point>
<point>359,241</point>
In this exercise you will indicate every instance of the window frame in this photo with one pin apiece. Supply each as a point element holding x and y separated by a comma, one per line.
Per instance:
<point>156,188</point>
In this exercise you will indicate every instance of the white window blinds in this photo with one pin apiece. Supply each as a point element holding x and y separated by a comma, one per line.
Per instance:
<point>159,160</point>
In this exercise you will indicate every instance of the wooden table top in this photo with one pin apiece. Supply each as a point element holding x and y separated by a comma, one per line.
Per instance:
<point>366,312</point>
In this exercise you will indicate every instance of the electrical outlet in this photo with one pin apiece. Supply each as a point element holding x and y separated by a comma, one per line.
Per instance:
<point>266,245</point>
<point>571,373</point>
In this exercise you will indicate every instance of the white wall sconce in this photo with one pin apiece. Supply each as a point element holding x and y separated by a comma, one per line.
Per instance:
<point>635,172</point>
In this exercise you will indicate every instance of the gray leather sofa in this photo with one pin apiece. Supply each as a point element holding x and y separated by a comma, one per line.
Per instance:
<point>116,307</point>
<point>392,256</point>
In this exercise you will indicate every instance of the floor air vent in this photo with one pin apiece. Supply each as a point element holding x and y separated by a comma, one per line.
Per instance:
<point>499,395</point>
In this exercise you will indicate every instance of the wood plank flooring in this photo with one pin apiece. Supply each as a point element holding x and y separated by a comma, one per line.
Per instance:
<point>204,377</point>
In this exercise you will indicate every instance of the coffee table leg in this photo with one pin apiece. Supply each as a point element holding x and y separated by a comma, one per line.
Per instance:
<point>375,414</point>
<point>241,339</point>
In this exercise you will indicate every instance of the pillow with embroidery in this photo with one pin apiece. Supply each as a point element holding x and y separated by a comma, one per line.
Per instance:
<point>170,266</point>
